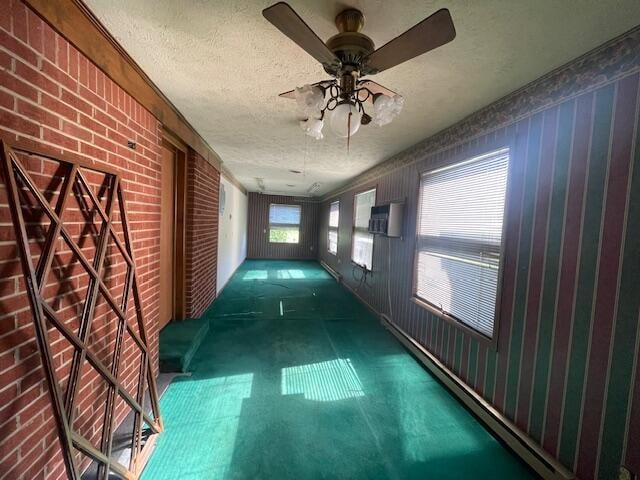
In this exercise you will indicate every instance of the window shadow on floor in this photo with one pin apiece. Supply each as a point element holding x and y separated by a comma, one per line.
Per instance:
<point>317,389</point>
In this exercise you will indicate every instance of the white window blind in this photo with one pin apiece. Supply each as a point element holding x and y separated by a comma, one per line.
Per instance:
<point>284,223</point>
<point>459,242</point>
<point>332,233</point>
<point>362,247</point>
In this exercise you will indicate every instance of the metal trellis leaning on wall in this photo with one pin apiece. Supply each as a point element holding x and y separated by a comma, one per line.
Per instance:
<point>147,424</point>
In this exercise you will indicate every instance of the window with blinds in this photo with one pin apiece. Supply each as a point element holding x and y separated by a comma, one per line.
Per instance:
<point>284,223</point>
<point>332,232</point>
<point>362,244</point>
<point>459,238</point>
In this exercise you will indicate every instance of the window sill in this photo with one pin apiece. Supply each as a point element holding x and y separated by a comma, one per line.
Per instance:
<point>362,267</point>
<point>491,342</point>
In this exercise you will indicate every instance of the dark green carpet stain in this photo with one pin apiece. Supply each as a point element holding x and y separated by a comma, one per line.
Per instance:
<point>313,388</point>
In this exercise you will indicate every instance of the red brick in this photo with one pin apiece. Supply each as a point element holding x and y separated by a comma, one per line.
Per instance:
<point>50,44</point>
<point>93,152</point>
<point>5,15</point>
<point>7,359</point>
<point>35,31</point>
<point>18,48</point>
<point>7,100</point>
<point>16,85</point>
<point>76,102</point>
<point>9,462</point>
<point>92,125</point>
<point>20,29</point>
<point>37,114</point>
<point>36,78</point>
<point>105,119</point>
<point>83,66</point>
<point>59,139</point>
<point>92,73</point>
<point>58,107</point>
<point>76,132</point>
<point>5,61</point>
<point>92,98</point>
<point>74,60</point>
<point>59,75</point>
<point>62,54</point>
<point>18,124</point>
<point>85,121</point>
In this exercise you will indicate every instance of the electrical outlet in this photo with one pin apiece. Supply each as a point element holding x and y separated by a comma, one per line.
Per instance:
<point>625,474</point>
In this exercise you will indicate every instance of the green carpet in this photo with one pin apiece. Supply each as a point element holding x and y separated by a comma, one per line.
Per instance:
<point>297,380</point>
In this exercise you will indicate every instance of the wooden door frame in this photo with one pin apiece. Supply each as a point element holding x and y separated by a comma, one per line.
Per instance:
<point>179,148</point>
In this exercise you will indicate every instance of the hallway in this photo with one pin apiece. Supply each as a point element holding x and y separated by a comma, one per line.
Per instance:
<point>297,380</point>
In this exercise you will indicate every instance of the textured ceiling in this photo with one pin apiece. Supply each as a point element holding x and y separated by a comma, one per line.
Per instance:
<point>223,65</point>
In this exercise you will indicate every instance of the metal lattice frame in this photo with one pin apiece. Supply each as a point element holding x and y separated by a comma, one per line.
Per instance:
<point>35,280</point>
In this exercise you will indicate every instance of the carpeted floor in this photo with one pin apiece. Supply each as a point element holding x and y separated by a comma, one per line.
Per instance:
<point>297,380</point>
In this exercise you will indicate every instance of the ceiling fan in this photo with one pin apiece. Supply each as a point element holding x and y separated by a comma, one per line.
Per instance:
<point>348,57</point>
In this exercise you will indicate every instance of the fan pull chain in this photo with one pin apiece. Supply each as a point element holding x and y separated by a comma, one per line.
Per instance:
<point>349,130</point>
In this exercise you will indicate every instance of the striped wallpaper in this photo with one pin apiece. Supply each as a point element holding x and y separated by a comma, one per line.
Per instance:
<point>567,340</point>
<point>258,245</point>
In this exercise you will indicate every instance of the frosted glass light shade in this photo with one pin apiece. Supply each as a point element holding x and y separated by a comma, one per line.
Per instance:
<point>310,100</point>
<point>313,127</point>
<point>339,120</point>
<point>386,108</point>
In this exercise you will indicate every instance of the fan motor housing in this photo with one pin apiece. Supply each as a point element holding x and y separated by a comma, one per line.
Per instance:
<point>350,46</point>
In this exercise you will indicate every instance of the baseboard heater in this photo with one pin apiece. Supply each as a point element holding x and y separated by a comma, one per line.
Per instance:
<point>331,271</point>
<point>525,447</point>
<point>543,463</point>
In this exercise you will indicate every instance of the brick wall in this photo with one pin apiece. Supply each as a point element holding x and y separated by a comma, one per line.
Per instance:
<point>203,183</point>
<point>51,96</point>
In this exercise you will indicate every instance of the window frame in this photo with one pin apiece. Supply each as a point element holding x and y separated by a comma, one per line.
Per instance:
<point>331,229</point>
<point>491,342</point>
<point>284,225</point>
<point>353,226</point>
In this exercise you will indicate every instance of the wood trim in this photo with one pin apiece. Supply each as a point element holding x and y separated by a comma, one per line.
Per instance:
<point>179,149</point>
<point>75,22</point>
<point>231,179</point>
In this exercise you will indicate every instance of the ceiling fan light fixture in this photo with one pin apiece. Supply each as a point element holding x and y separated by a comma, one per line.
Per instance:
<point>386,108</point>
<point>339,120</point>
<point>310,100</point>
<point>313,127</point>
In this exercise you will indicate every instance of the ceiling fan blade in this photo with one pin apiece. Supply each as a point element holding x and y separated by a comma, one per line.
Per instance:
<point>433,32</point>
<point>374,88</point>
<point>292,93</point>
<point>285,19</point>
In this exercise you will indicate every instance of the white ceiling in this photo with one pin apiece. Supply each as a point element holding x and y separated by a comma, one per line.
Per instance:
<point>223,65</point>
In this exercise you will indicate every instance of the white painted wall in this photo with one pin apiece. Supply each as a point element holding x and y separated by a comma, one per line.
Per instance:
<point>232,231</point>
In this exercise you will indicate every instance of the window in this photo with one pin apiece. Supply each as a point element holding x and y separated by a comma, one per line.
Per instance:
<point>332,234</point>
<point>362,247</point>
<point>284,223</point>
<point>459,242</point>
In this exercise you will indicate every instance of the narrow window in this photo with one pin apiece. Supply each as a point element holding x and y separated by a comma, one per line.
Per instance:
<point>459,239</point>
<point>332,233</point>
<point>362,246</point>
<point>284,223</point>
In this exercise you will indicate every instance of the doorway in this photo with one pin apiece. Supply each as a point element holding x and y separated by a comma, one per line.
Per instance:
<point>172,205</point>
